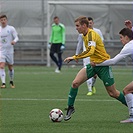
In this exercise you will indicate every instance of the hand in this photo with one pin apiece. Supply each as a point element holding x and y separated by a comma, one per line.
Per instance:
<point>128,24</point>
<point>62,47</point>
<point>13,42</point>
<point>93,64</point>
<point>49,46</point>
<point>68,59</point>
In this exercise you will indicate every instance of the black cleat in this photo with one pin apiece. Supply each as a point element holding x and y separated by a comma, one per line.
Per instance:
<point>3,86</point>
<point>12,85</point>
<point>70,111</point>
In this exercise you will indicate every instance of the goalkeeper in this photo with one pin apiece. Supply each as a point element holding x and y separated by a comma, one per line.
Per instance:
<point>57,43</point>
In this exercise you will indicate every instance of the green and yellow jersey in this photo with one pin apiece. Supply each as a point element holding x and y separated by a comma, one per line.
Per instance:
<point>57,34</point>
<point>94,48</point>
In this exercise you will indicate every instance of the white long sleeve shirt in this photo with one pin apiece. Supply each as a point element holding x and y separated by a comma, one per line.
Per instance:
<point>126,51</point>
<point>7,35</point>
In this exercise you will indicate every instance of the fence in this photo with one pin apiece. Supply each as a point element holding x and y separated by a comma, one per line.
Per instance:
<point>35,52</point>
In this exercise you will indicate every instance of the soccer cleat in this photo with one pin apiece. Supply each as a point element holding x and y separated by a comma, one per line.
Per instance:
<point>3,86</point>
<point>89,93</point>
<point>57,70</point>
<point>130,120</point>
<point>70,111</point>
<point>93,90</point>
<point>12,85</point>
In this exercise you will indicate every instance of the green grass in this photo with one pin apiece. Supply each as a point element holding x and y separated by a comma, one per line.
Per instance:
<point>25,109</point>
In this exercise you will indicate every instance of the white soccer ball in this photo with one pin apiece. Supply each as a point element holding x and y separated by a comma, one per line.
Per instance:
<point>56,115</point>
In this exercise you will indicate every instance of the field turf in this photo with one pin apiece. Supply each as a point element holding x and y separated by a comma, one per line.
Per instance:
<point>39,89</point>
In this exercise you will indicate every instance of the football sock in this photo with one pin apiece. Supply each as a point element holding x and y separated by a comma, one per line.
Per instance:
<point>129,100</point>
<point>11,74</point>
<point>72,95</point>
<point>121,98</point>
<point>89,84</point>
<point>2,75</point>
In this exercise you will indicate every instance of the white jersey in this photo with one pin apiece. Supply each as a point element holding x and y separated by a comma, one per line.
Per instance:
<point>125,52</point>
<point>7,35</point>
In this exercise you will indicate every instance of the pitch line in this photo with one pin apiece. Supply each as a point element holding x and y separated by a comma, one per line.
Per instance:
<point>37,99</point>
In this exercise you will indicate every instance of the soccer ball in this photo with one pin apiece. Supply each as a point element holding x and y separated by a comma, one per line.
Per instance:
<point>56,115</point>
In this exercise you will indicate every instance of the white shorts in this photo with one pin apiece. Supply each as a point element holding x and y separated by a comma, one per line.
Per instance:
<point>7,58</point>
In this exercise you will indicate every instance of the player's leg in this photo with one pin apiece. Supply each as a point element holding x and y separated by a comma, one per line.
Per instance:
<point>91,87</point>
<point>2,74</point>
<point>113,92</point>
<point>10,62</point>
<point>59,54</point>
<point>90,82</point>
<point>11,75</point>
<point>106,75</point>
<point>128,92</point>
<point>59,61</point>
<point>81,77</point>
<point>53,50</point>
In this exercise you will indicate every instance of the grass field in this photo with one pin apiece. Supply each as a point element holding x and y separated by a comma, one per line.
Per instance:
<point>39,89</point>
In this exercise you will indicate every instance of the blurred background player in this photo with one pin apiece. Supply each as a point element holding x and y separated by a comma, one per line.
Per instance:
<point>57,43</point>
<point>8,38</point>
<point>90,82</point>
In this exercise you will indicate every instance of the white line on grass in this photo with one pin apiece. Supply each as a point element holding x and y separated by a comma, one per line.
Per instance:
<point>36,99</point>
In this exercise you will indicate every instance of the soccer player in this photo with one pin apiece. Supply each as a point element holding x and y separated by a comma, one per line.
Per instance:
<point>90,82</point>
<point>57,43</point>
<point>96,51</point>
<point>126,37</point>
<point>8,38</point>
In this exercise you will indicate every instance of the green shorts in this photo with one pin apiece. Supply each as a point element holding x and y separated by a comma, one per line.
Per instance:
<point>103,72</point>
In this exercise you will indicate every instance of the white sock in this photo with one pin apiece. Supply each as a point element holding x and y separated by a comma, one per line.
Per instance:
<point>89,84</point>
<point>129,100</point>
<point>2,75</point>
<point>11,74</point>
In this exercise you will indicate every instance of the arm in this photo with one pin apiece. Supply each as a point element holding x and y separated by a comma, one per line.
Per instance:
<point>128,24</point>
<point>51,35</point>
<point>63,34</point>
<point>89,51</point>
<point>15,36</point>
<point>123,54</point>
<point>79,45</point>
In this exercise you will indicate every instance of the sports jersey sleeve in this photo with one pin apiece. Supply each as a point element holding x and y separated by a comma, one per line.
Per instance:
<point>63,34</point>
<point>89,51</point>
<point>90,48</point>
<point>51,36</point>
<point>15,35</point>
<point>79,44</point>
<point>123,54</point>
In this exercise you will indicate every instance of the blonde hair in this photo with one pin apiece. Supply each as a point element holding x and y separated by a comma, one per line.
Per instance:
<point>82,20</point>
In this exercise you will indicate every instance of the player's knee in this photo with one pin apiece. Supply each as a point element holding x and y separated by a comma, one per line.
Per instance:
<point>112,94</point>
<point>125,91</point>
<point>75,84</point>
